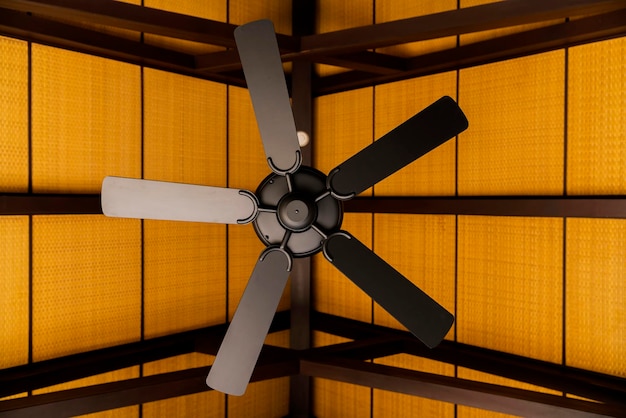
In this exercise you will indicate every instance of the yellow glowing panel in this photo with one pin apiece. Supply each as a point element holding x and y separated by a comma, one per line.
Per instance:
<point>596,120</point>
<point>278,11</point>
<point>390,404</point>
<point>422,248</point>
<point>335,15</point>
<point>514,143</point>
<point>434,173</point>
<point>109,377</point>
<point>86,120</point>
<point>494,33</point>
<point>268,398</point>
<point>14,290</point>
<point>205,404</point>
<point>247,165</point>
<point>333,292</point>
<point>343,127</point>
<point>244,249</point>
<point>213,10</point>
<point>510,286</point>
<point>390,11</point>
<point>185,276</point>
<point>13,115</point>
<point>86,284</point>
<point>596,295</point>
<point>338,399</point>
<point>185,129</point>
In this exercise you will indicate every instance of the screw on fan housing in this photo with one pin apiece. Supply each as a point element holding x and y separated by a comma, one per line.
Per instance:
<point>297,211</point>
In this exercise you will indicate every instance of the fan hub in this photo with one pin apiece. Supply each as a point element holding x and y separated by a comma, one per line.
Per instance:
<point>297,211</point>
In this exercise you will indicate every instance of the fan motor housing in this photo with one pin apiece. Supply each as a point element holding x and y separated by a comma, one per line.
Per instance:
<point>297,211</point>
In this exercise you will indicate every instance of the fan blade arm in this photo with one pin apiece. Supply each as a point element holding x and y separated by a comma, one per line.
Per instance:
<point>237,356</point>
<point>148,199</point>
<point>263,70</point>
<point>413,308</point>
<point>417,136</point>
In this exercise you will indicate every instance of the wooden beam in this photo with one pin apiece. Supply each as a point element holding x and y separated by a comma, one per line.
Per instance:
<point>64,369</point>
<point>454,390</point>
<point>131,392</point>
<point>49,204</point>
<point>454,22</point>
<point>62,35</point>
<point>548,206</point>
<point>584,383</point>
<point>572,33</point>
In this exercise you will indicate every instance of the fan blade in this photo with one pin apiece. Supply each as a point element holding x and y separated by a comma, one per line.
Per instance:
<point>262,67</point>
<point>240,349</point>
<point>420,134</point>
<point>148,199</point>
<point>417,311</point>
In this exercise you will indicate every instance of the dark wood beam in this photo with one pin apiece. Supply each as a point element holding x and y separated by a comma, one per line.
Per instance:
<point>64,369</point>
<point>49,204</point>
<point>62,35</point>
<point>548,206</point>
<point>374,341</point>
<point>450,23</point>
<point>132,391</point>
<point>454,390</point>
<point>568,34</point>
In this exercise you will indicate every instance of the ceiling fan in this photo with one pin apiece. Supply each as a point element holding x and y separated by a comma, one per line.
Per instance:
<point>296,211</point>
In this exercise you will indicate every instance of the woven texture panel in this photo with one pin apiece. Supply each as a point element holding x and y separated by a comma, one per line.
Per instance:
<point>336,15</point>
<point>596,122</point>
<point>510,285</point>
<point>333,292</point>
<point>278,11</point>
<point>433,173</point>
<point>338,399</point>
<point>86,284</point>
<point>390,404</point>
<point>389,11</point>
<point>208,404</point>
<point>14,262</point>
<point>86,120</point>
<point>343,127</point>
<point>596,295</point>
<point>422,248</point>
<point>13,115</point>
<point>514,144</point>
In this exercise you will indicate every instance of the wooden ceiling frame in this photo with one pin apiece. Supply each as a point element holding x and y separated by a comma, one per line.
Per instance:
<point>58,23</point>
<point>48,22</point>
<point>348,362</point>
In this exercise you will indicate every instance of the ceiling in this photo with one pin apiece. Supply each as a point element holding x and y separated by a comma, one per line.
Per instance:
<point>516,226</point>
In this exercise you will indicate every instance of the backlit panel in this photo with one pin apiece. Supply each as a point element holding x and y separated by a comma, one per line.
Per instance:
<point>595,296</point>
<point>14,265</point>
<point>422,248</point>
<point>205,404</point>
<point>389,11</point>
<point>387,404</point>
<point>510,285</point>
<point>596,120</point>
<point>86,120</point>
<point>278,11</point>
<point>514,143</point>
<point>86,284</point>
<point>433,173</point>
<point>13,115</point>
<point>343,127</point>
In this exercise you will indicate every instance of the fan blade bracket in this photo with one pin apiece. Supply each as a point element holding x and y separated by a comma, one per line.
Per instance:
<point>255,202</point>
<point>282,171</point>
<point>333,193</point>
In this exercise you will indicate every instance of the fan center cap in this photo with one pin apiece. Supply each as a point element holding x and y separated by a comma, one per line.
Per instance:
<point>296,213</point>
